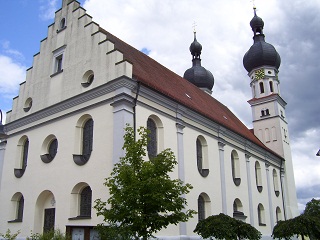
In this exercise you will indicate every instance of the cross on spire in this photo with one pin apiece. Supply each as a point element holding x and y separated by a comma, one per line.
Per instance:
<point>194,26</point>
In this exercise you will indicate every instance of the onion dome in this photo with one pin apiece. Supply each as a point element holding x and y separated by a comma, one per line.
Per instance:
<point>260,53</point>
<point>197,74</point>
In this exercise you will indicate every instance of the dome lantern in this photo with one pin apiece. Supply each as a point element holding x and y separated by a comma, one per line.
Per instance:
<point>197,74</point>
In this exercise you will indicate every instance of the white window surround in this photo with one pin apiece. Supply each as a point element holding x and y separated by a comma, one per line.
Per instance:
<point>58,60</point>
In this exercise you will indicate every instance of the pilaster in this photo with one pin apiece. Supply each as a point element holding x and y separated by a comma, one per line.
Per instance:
<point>181,171</point>
<point>122,115</point>
<point>247,156</point>
<point>2,151</point>
<point>221,145</point>
<point>269,196</point>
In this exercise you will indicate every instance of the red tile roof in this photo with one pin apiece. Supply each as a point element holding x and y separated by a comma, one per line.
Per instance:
<point>152,74</point>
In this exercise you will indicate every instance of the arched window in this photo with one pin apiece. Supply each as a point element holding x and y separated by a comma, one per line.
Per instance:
<point>24,148</point>
<point>18,206</point>
<point>49,148</point>
<point>271,86</point>
<point>238,210</point>
<point>235,167</point>
<point>20,209</point>
<point>204,208</point>
<point>62,23</point>
<point>152,146</point>
<point>276,183</point>
<point>87,140</point>
<point>201,208</point>
<point>85,133</point>
<point>267,135</point>
<point>202,156</point>
<point>261,215</point>
<point>258,176</point>
<point>278,214</point>
<point>267,112</point>
<point>25,154</point>
<point>85,202</point>
<point>261,87</point>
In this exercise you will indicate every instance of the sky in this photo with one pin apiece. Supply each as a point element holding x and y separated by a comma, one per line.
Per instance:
<point>164,30</point>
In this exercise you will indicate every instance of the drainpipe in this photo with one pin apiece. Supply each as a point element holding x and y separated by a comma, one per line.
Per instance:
<point>134,110</point>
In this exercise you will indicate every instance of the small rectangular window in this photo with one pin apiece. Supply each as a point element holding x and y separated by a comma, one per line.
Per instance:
<point>57,60</point>
<point>58,64</point>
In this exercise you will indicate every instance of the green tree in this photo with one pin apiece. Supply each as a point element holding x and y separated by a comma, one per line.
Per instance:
<point>143,197</point>
<point>304,225</point>
<point>225,227</point>
<point>313,208</point>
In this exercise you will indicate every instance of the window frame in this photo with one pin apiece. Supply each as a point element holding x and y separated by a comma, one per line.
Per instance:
<point>85,205</point>
<point>85,134</point>
<point>152,147</point>
<point>201,208</point>
<point>49,149</point>
<point>271,86</point>
<point>202,156</point>
<point>58,61</point>
<point>23,158</point>
<point>261,86</point>
<point>275,182</point>
<point>261,215</point>
<point>258,176</point>
<point>235,168</point>
<point>238,210</point>
<point>18,207</point>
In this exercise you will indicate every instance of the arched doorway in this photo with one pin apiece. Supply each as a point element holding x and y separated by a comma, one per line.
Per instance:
<point>45,210</point>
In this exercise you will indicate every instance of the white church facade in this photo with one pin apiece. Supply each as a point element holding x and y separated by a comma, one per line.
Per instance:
<point>65,133</point>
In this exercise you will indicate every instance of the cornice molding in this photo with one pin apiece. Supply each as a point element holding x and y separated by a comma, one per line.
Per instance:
<point>121,82</point>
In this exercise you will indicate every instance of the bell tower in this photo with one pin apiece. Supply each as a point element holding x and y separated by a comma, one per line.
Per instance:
<point>262,62</point>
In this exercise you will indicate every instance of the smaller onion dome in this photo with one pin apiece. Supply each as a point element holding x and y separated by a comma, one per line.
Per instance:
<point>260,53</point>
<point>256,23</point>
<point>197,74</point>
<point>195,47</point>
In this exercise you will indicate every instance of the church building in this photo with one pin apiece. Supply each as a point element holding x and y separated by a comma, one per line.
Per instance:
<point>65,133</point>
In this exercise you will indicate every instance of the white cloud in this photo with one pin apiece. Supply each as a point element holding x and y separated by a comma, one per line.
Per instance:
<point>11,75</point>
<point>11,52</point>
<point>307,164</point>
<point>47,9</point>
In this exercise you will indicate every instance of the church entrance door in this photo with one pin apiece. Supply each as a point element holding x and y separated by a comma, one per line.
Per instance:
<point>49,217</point>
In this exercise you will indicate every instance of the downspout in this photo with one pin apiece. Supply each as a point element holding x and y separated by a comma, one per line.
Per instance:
<point>281,183</point>
<point>134,110</point>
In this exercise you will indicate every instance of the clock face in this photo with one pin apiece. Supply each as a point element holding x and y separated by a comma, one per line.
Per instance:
<point>259,74</point>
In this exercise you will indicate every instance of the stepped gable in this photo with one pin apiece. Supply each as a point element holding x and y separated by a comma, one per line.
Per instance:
<point>152,74</point>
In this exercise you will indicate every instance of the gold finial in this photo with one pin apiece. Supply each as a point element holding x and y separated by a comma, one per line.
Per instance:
<point>254,7</point>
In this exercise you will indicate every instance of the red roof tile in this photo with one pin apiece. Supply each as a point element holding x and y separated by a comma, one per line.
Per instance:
<point>152,74</point>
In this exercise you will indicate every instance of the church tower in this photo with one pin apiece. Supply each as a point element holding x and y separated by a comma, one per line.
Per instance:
<point>270,125</point>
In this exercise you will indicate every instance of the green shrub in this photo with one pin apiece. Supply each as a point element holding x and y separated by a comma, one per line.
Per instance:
<point>10,236</point>
<point>50,235</point>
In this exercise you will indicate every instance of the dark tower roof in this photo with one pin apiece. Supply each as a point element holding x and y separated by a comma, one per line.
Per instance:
<point>260,53</point>
<point>197,74</point>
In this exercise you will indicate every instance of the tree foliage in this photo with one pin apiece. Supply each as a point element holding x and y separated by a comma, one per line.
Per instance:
<point>313,208</point>
<point>305,225</point>
<point>224,227</point>
<point>143,197</point>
